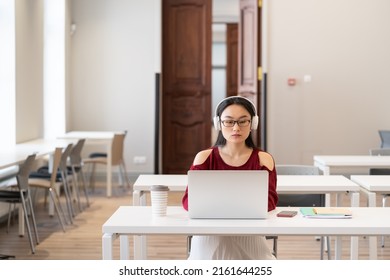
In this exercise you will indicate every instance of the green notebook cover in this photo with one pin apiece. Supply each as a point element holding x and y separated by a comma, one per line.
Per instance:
<point>326,213</point>
<point>307,211</point>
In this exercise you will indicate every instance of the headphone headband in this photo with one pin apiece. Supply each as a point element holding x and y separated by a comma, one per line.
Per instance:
<point>254,120</point>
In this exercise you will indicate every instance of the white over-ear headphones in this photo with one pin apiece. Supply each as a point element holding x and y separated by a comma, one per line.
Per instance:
<point>254,121</point>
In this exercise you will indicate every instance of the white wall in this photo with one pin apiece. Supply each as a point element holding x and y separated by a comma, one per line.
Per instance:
<point>343,46</point>
<point>112,71</point>
<point>114,54</point>
<point>29,69</point>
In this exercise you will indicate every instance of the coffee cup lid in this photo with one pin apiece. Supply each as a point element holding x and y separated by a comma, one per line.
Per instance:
<point>159,188</point>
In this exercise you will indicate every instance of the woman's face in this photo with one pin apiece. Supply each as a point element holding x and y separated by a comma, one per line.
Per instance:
<point>240,118</point>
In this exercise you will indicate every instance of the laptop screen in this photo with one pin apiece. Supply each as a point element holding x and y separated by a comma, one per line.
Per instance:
<point>228,194</point>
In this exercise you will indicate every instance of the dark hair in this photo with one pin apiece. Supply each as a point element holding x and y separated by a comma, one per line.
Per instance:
<point>242,101</point>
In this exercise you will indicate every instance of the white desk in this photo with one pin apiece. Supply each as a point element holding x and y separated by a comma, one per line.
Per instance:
<point>141,186</point>
<point>330,164</point>
<point>286,184</point>
<point>138,220</point>
<point>371,185</point>
<point>100,138</point>
<point>18,153</point>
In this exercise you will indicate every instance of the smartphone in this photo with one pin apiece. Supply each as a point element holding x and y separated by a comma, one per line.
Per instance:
<point>288,214</point>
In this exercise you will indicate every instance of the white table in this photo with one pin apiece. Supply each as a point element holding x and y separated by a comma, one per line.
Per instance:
<point>331,164</point>
<point>141,186</point>
<point>371,185</point>
<point>138,220</point>
<point>100,138</point>
<point>286,184</point>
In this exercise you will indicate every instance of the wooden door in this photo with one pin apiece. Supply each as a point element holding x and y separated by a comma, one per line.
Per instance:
<point>249,58</point>
<point>231,59</point>
<point>186,82</point>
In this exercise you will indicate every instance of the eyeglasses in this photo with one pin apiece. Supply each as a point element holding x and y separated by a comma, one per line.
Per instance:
<point>231,123</point>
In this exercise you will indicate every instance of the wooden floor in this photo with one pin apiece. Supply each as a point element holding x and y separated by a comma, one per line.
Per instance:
<point>82,240</point>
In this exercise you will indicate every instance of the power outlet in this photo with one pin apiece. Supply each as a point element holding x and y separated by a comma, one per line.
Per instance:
<point>139,160</point>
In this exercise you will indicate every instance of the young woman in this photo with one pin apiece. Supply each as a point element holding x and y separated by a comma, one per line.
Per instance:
<point>234,149</point>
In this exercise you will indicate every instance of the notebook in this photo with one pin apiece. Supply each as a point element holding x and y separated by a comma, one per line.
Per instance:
<point>228,194</point>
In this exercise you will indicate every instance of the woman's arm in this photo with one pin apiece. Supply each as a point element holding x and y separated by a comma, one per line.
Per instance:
<point>198,164</point>
<point>267,162</point>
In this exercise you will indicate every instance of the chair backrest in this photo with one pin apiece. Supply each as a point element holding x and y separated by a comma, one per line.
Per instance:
<point>380,152</point>
<point>56,164</point>
<point>64,159</point>
<point>75,154</point>
<point>299,200</point>
<point>117,148</point>
<point>24,171</point>
<point>385,138</point>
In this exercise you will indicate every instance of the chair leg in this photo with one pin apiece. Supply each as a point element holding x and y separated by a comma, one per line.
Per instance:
<point>57,205</point>
<point>33,219</point>
<point>67,196</point>
<point>57,197</point>
<point>275,247</point>
<point>10,211</point>
<point>84,186</point>
<point>124,175</point>
<point>189,238</point>
<point>92,178</point>
<point>26,218</point>
<point>323,247</point>
<point>76,188</point>
<point>328,245</point>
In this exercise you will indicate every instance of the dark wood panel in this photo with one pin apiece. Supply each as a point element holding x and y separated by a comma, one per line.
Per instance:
<point>248,47</point>
<point>186,88</point>
<point>248,59</point>
<point>232,59</point>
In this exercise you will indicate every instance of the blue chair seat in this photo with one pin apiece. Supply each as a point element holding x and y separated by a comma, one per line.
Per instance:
<point>95,155</point>
<point>43,173</point>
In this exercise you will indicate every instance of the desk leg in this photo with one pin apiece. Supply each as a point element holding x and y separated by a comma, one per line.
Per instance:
<point>136,198</point>
<point>354,247</point>
<point>372,240</point>
<point>124,247</point>
<point>109,170</point>
<point>107,242</point>
<point>355,199</point>
<point>140,247</point>
<point>371,196</point>
<point>355,202</point>
<point>372,245</point>
<point>139,199</point>
<point>142,199</point>
<point>338,242</point>
<point>338,248</point>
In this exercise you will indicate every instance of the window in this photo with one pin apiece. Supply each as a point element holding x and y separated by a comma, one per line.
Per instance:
<point>7,72</point>
<point>54,68</point>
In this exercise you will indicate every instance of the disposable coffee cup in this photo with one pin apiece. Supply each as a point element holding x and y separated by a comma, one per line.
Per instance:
<point>159,197</point>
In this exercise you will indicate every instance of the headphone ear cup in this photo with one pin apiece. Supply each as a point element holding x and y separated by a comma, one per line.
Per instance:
<point>255,122</point>
<point>217,123</point>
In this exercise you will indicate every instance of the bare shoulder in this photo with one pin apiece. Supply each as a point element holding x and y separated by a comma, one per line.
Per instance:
<point>266,160</point>
<point>202,156</point>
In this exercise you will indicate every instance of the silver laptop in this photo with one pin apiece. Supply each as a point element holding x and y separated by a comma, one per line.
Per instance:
<point>228,194</point>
